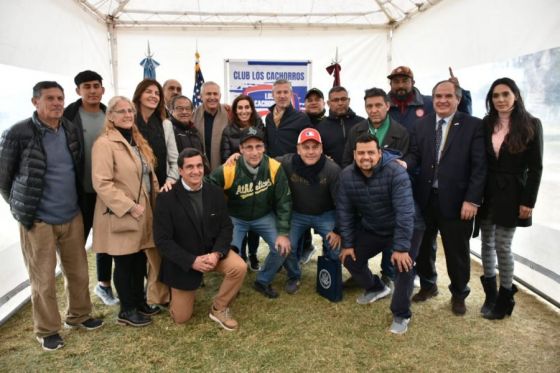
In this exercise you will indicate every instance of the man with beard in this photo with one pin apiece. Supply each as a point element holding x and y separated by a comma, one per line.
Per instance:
<point>408,105</point>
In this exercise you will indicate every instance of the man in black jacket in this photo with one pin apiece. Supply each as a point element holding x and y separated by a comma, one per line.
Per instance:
<point>40,177</point>
<point>284,123</point>
<point>335,128</point>
<point>315,106</point>
<point>193,231</point>
<point>186,134</point>
<point>88,115</point>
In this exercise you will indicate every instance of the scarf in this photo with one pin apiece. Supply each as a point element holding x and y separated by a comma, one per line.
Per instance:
<point>309,173</point>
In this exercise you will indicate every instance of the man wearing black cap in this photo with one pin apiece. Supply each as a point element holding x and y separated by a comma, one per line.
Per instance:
<point>259,200</point>
<point>408,105</point>
<point>88,114</point>
<point>315,106</point>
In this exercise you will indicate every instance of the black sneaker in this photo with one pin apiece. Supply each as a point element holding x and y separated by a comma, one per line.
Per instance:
<point>149,310</point>
<point>51,343</point>
<point>254,264</point>
<point>89,324</point>
<point>133,318</point>
<point>265,290</point>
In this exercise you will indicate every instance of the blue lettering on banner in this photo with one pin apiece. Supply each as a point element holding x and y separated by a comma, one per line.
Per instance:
<point>241,75</point>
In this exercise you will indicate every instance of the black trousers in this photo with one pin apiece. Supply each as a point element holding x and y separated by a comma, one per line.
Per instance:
<point>130,271</point>
<point>103,262</point>
<point>251,241</point>
<point>367,245</point>
<point>455,235</point>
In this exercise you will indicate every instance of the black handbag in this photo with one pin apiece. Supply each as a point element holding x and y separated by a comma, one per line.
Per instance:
<point>329,278</point>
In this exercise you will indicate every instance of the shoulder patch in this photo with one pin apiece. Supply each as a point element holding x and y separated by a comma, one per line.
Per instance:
<point>229,175</point>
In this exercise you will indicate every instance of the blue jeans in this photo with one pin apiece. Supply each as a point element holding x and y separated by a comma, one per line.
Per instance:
<point>321,224</point>
<point>266,228</point>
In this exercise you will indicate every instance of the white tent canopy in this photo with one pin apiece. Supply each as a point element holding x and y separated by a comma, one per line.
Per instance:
<point>482,40</point>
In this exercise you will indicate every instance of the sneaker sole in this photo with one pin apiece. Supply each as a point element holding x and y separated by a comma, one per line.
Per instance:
<point>104,300</point>
<point>40,340</point>
<point>380,296</point>
<point>129,323</point>
<point>255,270</point>
<point>80,326</point>
<point>221,323</point>
<point>399,332</point>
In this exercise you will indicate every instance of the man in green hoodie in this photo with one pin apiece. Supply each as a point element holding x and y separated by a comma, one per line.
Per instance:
<point>259,200</point>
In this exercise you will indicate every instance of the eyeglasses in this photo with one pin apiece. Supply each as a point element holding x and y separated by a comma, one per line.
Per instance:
<point>340,99</point>
<point>182,108</point>
<point>124,111</point>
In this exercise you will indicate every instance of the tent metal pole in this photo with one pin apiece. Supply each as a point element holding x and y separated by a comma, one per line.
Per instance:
<point>114,55</point>
<point>390,49</point>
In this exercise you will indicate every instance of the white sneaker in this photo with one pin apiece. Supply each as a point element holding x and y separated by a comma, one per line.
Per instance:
<point>372,296</point>
<point>106,295</point>
<point>399,325</point>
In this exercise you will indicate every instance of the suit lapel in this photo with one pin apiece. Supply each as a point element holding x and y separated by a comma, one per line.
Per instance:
<point>187,206</point>
<point>452,131</point>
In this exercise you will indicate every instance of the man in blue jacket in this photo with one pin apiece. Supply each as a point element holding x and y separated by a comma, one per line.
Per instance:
<point>375,211</point>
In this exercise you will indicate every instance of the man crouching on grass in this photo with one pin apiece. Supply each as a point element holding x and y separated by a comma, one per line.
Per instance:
<point>192,230</point>
<point>375,211</point>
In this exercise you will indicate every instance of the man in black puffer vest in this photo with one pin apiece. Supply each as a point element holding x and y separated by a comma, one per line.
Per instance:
<point>40,174</point>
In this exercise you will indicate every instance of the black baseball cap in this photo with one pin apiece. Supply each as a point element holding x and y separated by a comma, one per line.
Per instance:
<point>314,91</point>
<point>249,133</point>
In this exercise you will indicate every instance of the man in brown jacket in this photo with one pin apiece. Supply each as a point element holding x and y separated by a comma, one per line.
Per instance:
<point>210,119</point>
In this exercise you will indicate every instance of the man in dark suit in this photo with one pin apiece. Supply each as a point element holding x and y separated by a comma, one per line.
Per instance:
<point>193,230</point>
<point>448,148</point>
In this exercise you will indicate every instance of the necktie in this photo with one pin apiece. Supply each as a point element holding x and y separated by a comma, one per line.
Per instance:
<point>439,135</point>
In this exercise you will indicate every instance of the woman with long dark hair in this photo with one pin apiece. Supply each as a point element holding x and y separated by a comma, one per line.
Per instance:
<point>148,98</point>
<point>123,178</point>
<point>514,149</point>
<point>243,115</point>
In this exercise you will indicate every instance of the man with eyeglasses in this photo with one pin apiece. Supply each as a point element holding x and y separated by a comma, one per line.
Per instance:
<point>335,127</point>
<point>259,200</point>
<point>186,134</point>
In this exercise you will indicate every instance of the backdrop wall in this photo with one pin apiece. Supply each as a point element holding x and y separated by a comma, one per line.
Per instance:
<point>363,55</point>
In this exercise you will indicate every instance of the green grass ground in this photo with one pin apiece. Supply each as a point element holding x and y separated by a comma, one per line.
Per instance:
<point>301,333</point>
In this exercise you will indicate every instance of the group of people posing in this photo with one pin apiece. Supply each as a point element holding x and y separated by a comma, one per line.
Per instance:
<point>172,192</point>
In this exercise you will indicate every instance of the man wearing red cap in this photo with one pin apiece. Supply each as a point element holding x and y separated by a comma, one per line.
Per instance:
<point>408,105</point>
<point>313,180</point>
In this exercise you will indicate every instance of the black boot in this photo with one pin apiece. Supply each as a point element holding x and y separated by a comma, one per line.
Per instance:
<point>504,304</point>
<point>491,291</point>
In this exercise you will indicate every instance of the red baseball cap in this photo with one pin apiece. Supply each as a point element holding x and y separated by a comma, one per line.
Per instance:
<point>309,134</point>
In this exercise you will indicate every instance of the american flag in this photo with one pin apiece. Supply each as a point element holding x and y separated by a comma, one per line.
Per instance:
<point>198,81</point>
